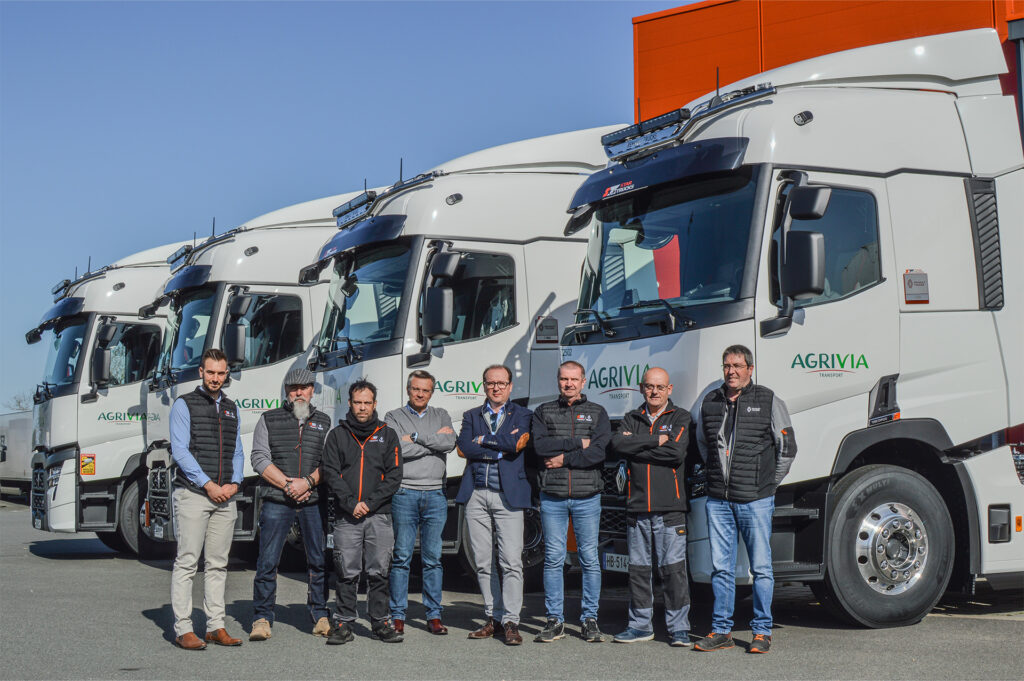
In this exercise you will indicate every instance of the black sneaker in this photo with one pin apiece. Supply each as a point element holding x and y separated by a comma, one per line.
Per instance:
<point>385,632</point>
<point>760,644</point>
<point>714,641</point>
<point>553,631</point>
<point>340,633</point>
<point>590,632</point>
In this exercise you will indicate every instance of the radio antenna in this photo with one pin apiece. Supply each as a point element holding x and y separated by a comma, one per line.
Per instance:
<point>400,160</point>
<point>88,267</point>
<point>716,82</point>
<point>213,230</point>
<point>193,239</point>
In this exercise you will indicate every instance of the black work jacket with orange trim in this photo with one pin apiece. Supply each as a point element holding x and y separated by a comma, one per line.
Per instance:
<point>365,468</point>
<point>657,479</point>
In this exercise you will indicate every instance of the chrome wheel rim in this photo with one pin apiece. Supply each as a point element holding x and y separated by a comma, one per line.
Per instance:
<point>891,548</point>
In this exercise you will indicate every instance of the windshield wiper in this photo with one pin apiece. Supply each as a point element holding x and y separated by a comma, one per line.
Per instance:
<point>674,314</point>
<point>351,354</point>
<point>605,329</point>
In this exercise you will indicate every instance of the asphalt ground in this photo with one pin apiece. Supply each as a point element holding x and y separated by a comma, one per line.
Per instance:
<point>72,609</point>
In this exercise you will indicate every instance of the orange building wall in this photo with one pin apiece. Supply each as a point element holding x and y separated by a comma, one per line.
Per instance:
<point>676,52</point>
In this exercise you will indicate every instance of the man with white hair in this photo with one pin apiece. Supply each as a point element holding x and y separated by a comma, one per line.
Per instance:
<point>287,447</point>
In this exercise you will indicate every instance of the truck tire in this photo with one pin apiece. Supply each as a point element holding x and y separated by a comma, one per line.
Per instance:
<point>113,541</point>
<point>889,548</point>
<point>533,551</point>
<point>130,530</point>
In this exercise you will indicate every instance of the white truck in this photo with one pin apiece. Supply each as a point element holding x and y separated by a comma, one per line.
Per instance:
<point>236,291</point>
<point>89,410</point>
<point>851,219</point>
<point>453,270</point>
<point>16,453</point>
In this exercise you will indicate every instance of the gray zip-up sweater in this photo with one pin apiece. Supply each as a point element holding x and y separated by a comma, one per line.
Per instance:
<point>423,461</point>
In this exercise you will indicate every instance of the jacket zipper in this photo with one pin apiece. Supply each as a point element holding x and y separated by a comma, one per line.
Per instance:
<point>362,456</point>
<point>220,443</point>
<point>572,433</point>
<point>650,491</point>
<point>731,444</point>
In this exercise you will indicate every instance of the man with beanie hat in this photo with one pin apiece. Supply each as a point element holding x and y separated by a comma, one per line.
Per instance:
<point>287,447</point>
<point>363,467</point>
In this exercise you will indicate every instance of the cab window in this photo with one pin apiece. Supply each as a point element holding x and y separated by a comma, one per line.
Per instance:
<point>484,294</point>
<point>134,350</point>
<point>273,329</point>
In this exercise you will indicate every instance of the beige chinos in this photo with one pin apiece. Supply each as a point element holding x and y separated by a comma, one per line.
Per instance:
<point>200,523</point>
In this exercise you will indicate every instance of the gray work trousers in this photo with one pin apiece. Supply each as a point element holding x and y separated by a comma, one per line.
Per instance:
<point>201,525</point>
<point>361,544</point>
<point>487,514</point>
<point>661,535</point>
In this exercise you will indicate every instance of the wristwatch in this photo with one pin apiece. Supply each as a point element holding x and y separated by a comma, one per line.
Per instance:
<point>414,436</point>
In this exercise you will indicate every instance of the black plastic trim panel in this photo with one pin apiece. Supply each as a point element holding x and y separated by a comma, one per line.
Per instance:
<point>981,204</point>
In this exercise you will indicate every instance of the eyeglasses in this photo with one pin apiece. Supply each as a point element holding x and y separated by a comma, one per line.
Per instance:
<point>726,367</point>
<point>500,385</point>
<point>650,387</point>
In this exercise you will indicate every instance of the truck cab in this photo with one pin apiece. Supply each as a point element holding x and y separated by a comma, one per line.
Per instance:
<point>451,271</point>
<point>90,408</point>
<point>848,218</point>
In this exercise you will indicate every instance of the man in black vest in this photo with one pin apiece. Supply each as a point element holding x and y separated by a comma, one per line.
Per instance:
<point>287,446</point>
<point>746,438</point>
<point>570,436</point>
<point>207,447</point>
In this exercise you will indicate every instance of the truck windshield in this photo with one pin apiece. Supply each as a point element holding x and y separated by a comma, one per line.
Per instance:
<point>65,351</point>
<point>188,321</point>
<point>684,244</point>
<point>366,292</point>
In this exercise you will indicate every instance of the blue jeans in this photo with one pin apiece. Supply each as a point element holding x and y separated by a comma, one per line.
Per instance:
<point>586,521</point>
<point>421,512</point>
<point>754,523</point>
<point>275,521</point>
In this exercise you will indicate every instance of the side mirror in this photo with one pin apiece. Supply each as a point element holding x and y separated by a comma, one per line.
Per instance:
<point>105,334</point>
<point>234,343</point>
<point>580,219</point>
<point>438,312</point>
<point>34,336</point>
<point>809,202</point>
<point>101,366</point>
<point>803,270</point>
<point>348,287</point>
<point>444,264</point>
<point>239,306</point>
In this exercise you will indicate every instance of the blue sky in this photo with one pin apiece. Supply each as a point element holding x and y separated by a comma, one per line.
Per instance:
<point>128,125</point>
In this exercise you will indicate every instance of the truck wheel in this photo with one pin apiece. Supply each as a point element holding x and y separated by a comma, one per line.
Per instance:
<point>889,551</point>
<point>113,541</point>
<point>130,529</point>
<point>533,551</point>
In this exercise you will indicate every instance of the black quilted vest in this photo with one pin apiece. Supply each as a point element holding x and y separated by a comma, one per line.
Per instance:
<point>749,474</point>
<point>213,435</point>
<point>568,421</point>
<point>295,451</point>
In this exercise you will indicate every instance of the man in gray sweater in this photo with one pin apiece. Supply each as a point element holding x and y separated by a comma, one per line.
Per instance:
<point>420,506</point>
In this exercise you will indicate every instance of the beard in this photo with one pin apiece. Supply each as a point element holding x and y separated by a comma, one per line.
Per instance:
<point>301,409</point>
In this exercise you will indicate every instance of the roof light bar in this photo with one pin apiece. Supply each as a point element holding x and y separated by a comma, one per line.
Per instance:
<point>361,206</point>
<point>661,131</point>
<point>179,254</point>
<point>59,287</point>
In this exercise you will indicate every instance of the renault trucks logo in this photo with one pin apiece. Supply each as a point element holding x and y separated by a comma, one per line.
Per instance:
<point>314,425</point>
<point>227,412</point>
<point>829,365</point>
<point>617,189</point>
<point>584,417</point>
<point>258,403</point>
<point>617,381</point>
<point>125,418</point>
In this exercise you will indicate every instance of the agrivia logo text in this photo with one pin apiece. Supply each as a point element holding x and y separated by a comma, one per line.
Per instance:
<point>258,403</point>
<point>829,365</point>
<point>613,378</point>
<point>460,389</point>
<point>127,417</point>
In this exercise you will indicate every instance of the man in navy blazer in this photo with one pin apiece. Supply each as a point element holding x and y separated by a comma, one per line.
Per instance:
<point>495,491</point>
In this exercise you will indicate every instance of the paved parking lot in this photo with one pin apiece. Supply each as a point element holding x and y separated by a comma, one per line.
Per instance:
<point>71,608</point>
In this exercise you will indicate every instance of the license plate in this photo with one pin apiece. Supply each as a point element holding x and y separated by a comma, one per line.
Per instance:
<point>616,562</point>
<point>37,523</point>
<point>158,531</point>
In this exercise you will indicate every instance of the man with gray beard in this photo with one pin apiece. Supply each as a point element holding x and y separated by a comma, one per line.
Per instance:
<point>287,447</point>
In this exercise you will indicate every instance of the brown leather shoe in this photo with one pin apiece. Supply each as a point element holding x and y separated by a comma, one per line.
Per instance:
<point>189,641</point>
<point>512,635</point>
<point>221,638</point>
<point>436,627</point>
<point>399,625</point>
<point>486,631</point>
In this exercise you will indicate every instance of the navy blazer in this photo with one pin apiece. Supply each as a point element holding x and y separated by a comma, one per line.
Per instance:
<point>511,470</point>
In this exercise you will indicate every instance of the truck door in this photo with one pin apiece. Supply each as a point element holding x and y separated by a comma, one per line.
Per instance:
<point>842,341</point>
<point>490,326</point>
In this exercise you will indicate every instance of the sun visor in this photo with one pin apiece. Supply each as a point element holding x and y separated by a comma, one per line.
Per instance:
<point>188,277</point>
<point>668,165</point>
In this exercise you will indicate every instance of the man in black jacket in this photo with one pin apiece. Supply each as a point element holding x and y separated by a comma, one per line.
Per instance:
<point>653,440</point>
<point>746,438</point>
<point>287,447</point>
<point>570,436</point>
<point>363,467</point>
